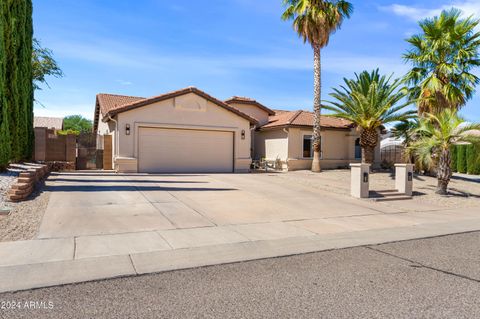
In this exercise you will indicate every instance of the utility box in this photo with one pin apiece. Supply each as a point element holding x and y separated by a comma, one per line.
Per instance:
<point>360,180</point>
<point>404,178</point>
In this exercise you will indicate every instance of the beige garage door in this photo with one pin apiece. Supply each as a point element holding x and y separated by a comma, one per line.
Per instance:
<point>185,151</point>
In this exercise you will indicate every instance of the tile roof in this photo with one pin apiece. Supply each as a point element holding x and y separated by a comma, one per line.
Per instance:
<point>48,122</point>
<point>304,118</point>
<point>111,104</point>
<point>247,100</point>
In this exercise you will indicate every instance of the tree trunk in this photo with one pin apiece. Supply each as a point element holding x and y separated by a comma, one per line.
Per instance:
<point>368,154</point>
<point>444,171</point>
<point>317,87</point>
<point>368,142</point>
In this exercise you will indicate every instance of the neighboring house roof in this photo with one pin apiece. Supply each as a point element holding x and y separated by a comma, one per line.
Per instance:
<point>48,122</point>
<point>304,119</point>
<point>249,101</point>
<point>111,105</point>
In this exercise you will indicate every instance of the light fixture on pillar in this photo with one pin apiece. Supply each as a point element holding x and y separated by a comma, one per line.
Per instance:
<point>127,129</point>
<point>243,134</point>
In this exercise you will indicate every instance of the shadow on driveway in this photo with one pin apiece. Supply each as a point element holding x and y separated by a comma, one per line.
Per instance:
<point>54,179</point>
<point>96,188</point>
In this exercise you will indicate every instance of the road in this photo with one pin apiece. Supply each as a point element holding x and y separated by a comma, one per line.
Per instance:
<point>429,278</point>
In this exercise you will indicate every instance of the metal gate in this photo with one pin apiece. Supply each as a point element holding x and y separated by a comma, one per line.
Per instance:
<point>89,156</point>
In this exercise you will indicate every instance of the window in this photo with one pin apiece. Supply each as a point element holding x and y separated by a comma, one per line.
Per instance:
<point>358,149</point>
<point>307,146</point>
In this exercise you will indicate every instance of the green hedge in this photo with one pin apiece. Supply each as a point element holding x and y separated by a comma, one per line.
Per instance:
<point>453,155</point>
<point>462,158</point>
<point>466,159</point>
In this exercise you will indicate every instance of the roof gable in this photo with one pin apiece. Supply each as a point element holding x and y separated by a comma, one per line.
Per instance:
<point>249,101</point>
<point>136,102</point>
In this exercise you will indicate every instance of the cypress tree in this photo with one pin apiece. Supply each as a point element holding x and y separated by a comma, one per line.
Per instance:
<point>4,116</point>
<point>18,34</point>
<point>471,159</point>
<point>462,158</point>
<point>453,152</point>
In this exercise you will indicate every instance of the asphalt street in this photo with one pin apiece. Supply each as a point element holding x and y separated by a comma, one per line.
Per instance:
<point>429,278</point>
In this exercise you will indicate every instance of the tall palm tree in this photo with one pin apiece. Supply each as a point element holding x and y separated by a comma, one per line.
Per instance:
<point>315,21</point>
<point>438,134</point>
<point>370,101</point>
<point>443,57</point>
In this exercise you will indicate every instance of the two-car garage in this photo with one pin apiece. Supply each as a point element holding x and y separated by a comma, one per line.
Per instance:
<point>184,131</point>
<point>172,150</point>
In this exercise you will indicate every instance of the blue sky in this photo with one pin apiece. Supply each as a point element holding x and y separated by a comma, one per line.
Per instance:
<point>224,47</point>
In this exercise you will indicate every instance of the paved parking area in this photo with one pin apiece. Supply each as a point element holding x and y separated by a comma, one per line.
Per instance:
<point>107,213</point>
<point>92,204</point>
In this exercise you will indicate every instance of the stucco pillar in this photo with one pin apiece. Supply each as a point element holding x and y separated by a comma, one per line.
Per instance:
<point>360,180</point>
<point>404,178</point>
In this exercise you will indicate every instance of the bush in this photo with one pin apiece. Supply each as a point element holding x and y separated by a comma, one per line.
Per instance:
<point>462,158</point>
<point>471,159</point>
<point>453,153</point>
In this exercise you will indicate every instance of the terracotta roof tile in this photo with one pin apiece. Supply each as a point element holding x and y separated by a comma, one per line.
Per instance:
<point>247,100</point>
<point>304,118</point>
<point>111,104</point>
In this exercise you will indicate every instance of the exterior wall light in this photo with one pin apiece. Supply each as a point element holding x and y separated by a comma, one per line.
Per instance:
<point>127,129</point>
<point>243,134</point>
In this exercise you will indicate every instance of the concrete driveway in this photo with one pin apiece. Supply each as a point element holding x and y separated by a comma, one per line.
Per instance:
<point>84,204</point>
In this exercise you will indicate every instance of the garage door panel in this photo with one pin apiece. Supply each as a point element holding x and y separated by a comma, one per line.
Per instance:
<point>185,151</point>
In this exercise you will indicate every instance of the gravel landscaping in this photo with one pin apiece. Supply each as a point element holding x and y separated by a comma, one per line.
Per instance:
<point>24,219</point>
<point>464,191</point>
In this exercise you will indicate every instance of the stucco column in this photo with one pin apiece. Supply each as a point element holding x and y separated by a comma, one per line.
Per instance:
<point>360,180</point>
<point>404,178</point>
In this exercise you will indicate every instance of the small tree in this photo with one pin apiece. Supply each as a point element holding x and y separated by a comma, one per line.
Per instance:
<point>439,133</point>
<point>77,123</point>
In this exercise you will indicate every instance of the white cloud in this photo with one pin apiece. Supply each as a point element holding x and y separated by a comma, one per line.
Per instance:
<point>469,7</point>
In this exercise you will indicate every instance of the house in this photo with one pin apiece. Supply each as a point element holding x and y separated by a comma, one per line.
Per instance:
<point>287,137</point>
<point>190,131</point>
<point>55,123</point>
<point>181,131</point>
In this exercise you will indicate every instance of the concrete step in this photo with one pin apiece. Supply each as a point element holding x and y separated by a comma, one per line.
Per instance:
<point>388,195</point>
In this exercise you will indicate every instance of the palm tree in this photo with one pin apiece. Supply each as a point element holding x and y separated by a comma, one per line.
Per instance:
<point>407,132</point>
<point>315,21</point>
<point>370,101</point>
<point>438,134</point>
<point>443,56</point>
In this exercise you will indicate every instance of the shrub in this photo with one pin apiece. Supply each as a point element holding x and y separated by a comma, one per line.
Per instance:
<point>462,158</point>
<point>453,151</point>
<point>471,159</point>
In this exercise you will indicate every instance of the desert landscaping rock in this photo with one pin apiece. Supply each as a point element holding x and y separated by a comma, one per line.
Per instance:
<point>24,219</point>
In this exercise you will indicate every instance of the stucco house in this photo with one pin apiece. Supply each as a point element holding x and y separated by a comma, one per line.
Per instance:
<point>190,131</point>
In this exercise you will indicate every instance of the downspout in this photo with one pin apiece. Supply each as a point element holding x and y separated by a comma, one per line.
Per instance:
<point>285,129</point>
<point>117,135</point>
<point>252,142</point>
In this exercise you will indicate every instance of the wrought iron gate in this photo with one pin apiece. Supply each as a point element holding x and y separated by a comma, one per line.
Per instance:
<point>89,156</point>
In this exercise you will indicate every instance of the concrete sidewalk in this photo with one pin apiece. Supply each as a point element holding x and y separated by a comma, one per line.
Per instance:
<point>57,261</point>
